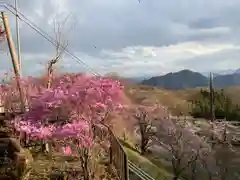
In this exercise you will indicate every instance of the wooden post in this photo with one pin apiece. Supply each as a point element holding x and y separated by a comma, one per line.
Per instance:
<point>16,69</point>
<point>126,170</point>
<point>2,109</point>
<point>211,98</point>
<point>212,112</point>
<point>14,59</point>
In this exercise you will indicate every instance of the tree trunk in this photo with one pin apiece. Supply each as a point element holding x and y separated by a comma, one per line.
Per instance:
<point>143,146</point>
<point>84,158</point>
<point>50,75</point>
<point>175,178</point>
<point>47,146</point>
<point>143,149</point>
<point>23,137</point>
<point>193,171</point>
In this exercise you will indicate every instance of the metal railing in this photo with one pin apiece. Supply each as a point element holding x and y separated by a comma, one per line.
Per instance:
<point>118,157</point>
<point>142,175</point>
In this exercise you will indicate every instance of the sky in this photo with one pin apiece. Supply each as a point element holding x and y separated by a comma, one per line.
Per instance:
<point>149,38</point>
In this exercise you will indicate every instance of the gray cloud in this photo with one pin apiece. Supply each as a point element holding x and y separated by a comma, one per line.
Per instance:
<point>114,25</point>
<point>220,60</point>
<point>205,23</point>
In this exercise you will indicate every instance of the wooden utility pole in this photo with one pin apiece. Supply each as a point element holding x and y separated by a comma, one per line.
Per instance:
<point>211,90</point>
<point>16,70</point>
<point>212,113</point>
<point>14,59</point>
<point>18,38</point>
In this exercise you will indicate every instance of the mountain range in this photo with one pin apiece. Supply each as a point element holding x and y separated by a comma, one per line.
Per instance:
<point>189,79</point>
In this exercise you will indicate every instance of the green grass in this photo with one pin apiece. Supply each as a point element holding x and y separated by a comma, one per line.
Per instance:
<point>154,159</point>
<point>146,165</point>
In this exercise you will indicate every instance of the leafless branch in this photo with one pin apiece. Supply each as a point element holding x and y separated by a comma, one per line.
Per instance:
<point>61,45</point>
<point>182,144</point>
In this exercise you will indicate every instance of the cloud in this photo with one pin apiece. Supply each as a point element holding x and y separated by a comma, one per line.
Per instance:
<point>225,58</point>
<point>132,38</point>
<point>160,60</point>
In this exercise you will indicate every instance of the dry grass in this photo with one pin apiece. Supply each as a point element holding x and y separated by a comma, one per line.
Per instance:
<point>147,166</point>
<point>177,101</point>
<point>234,94</point>
<point>43,166</point>
<point>173,100</point>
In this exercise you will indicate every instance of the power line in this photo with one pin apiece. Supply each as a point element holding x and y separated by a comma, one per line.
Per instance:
<point>53,41</point>
<point>49,38</point>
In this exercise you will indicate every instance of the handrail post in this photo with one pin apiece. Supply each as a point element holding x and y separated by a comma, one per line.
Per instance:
<point>118,157</point>
<point>126,167</point>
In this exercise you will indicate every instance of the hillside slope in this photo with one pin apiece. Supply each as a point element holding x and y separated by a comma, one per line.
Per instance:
<point>177,101</point>
<point>146,95</point>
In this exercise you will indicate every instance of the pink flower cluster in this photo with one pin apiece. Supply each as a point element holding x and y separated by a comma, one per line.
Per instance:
<point>70,108</point>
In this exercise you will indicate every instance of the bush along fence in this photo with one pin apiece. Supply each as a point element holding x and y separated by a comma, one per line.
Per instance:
<point>117,156</point>
<point>126,170</point>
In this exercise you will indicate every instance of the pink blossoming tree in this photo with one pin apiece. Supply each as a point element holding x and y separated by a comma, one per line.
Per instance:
<point>68,110</point>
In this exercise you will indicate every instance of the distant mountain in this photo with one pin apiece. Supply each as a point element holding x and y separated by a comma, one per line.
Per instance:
<point>223,81</point>
<point>237,71</point>
<point>179,80</point>
<point>138,79</point>
<point>189,79</point>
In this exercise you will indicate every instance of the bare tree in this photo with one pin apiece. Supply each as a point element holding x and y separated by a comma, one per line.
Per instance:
<point>145,117</point>
<point>183,146</point>
<point>222,160</point>
<point>60,45</point>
